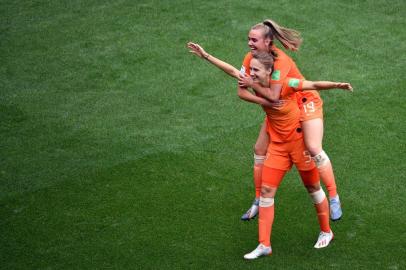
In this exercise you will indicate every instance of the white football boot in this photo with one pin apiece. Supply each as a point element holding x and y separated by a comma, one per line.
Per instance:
<point>335,208</point>
<point>324,239</point>
<point>261,250</point>
<point>252,212</point>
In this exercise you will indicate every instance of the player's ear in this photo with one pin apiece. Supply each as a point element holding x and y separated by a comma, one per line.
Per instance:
<point>268,41</point>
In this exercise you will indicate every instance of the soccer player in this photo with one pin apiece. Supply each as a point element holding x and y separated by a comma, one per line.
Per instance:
<point>261,38</point>
<point>286,148</point>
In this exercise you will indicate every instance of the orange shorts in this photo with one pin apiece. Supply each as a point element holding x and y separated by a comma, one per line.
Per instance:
<point>310,104</point>
<point>282,156</point>
<point>273,177</point>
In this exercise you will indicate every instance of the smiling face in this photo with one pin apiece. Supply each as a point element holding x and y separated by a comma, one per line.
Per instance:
<point>259,73</point>
<point>257,42</point>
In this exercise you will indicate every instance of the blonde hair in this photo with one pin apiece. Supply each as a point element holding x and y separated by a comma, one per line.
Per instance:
<point>289,38</point>
<point>265,59</point>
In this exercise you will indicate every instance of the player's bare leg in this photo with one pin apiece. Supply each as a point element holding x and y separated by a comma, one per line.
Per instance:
<point>313,137</point>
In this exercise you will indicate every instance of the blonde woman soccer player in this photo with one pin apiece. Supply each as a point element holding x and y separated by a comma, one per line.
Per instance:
<point>261,39</point>
<point>287,147</point>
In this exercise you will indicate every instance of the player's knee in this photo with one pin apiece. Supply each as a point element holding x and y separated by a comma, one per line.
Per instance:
<point>260,149</point>
<point>267,196</point>
<point>321,159</point>
<point>267,191</point>
<point>259,159</point>
<point>311,188</point>
<point>318,196</point>
<point>313,147</point>
<point>266,202</point>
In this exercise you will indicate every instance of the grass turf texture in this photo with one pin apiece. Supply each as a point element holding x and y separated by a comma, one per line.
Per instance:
<point>120,150</point>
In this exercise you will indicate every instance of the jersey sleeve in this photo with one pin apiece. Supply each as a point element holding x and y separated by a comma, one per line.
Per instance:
<point>295,72</point>
<point>281,68</point>
<point>245,68</point>
<point>284,67</point>
<point>295,84</point>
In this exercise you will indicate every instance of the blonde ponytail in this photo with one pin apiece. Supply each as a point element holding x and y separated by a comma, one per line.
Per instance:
<point>289,38</point>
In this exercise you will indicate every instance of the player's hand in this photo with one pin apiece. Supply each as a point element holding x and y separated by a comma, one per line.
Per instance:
<point>275,105</point>
<point>245,81</point>
<point>278,104</point>
<point>345,86</point>
<point>197,50</point>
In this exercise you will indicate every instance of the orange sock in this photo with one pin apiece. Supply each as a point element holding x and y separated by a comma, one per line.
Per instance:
<point>319,199</point>
<point>323,215</point>
<point>265,220</point>
<point>258,179</point>
<point>327,176</point>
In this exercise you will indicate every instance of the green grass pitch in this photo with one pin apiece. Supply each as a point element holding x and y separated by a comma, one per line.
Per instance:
<point>121,150</point>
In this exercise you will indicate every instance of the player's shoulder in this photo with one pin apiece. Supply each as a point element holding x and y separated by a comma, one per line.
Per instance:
<point>280,53</point>
<point>248,56</point>
<point>247,60</point>
<point>245,68</point>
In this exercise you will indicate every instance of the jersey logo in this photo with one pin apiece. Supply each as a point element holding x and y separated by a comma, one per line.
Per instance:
<point>293,82</point>
<point>276,75</point>
<point>242,70</point>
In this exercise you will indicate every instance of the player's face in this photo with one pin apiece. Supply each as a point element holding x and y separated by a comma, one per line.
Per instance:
<point>257,42</point>
<point>259,73</point>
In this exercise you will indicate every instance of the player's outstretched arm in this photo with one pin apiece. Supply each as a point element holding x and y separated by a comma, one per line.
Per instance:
<point>199,51</point>
<point>326,85</point>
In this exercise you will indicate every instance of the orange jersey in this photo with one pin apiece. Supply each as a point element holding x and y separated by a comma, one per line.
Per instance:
<point>284,67</point>
<point>284,121</point>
